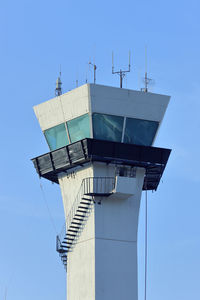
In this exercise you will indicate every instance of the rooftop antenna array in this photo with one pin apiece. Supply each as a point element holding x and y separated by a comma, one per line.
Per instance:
<point>147,80</point>
<point>94,69</point>
<point>58,89</point>
<point>121,73</point>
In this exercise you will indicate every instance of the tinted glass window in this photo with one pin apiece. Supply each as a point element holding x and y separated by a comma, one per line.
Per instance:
<point>140,132</point>
<point>107,127</point>
<point>56,137</point>
<point>79,128</point>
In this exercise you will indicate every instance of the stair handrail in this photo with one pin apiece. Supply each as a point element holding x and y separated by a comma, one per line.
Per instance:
<point>85,188</point>
<point>71,213</point>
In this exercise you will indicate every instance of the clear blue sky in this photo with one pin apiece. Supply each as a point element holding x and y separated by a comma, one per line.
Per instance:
<point>38,36</point>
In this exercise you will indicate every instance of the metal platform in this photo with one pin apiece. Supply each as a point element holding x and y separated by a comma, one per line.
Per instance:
<point>153,159</point>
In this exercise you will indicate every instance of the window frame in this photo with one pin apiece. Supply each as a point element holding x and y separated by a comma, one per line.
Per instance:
<point>51,128</point>
<point>101,113</point>
<point>156,131</point>
<point>87,113</point>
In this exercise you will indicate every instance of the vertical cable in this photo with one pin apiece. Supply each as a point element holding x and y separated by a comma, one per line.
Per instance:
<point>146,236</point>
<point>5,295</point>
<point>47,206</point>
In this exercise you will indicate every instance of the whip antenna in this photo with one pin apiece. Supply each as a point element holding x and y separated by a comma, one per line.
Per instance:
<point>146,79</point>
<point>94,69</point>
<point>58,89</point>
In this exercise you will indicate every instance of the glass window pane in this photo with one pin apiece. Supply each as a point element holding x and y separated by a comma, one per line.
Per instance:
<point>79,128</point>
<point>107,127</point>
<point>140,132</point>
<point>56,137</point>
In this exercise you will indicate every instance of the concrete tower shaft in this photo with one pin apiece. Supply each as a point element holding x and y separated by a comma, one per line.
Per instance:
<point>103,263</point>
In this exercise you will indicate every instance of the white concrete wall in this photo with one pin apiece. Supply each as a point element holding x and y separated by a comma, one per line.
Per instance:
<point>81,268</point>
<point>102,99</point>
<point>81,262</point>
<point>128,103</point>
<point>63,108</point>
<point>116,225</point>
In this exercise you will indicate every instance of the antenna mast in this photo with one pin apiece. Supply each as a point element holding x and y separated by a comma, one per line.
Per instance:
<point>58,89</point>
<point>94,68</point>
<point>146,79</point>
<point>146,83</point>
<point>121,73</point>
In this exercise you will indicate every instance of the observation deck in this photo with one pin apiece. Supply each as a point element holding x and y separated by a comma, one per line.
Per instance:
<point>51,165</point>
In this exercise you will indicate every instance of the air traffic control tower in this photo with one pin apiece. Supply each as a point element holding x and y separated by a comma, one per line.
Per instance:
<point>101,155</point>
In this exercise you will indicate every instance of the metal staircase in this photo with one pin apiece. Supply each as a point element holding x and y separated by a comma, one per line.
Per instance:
<point>92,189</point>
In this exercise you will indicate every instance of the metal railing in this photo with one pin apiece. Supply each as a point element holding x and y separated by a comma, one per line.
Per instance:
<point>98,185</point>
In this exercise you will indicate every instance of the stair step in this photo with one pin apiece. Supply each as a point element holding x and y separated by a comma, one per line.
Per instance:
<point>79,219</point>
<point>68,246</point>
<point>83,207</point>
<point>79,215</point>
<point>72,230</point>
<point>76,227</point>
<point>64,250</point>
<point>61,250</point>
<point>66,243</point>
<point>69,239</point>
<point>87,199</point>
<point>76,223</point>
<point>83,211</point>
<point>69,235</point>
<point>85,203</point>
